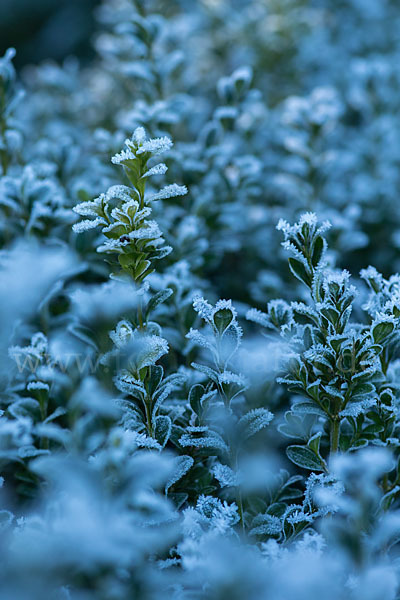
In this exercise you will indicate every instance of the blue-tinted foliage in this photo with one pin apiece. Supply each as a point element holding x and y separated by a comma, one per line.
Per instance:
<point>200,374</point>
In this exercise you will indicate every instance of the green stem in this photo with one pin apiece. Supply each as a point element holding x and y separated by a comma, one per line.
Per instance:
<point>140,314</point>
<point>148,416</point>
<point>347,397</point>
<point>335,431</point>
<point>43,404</point>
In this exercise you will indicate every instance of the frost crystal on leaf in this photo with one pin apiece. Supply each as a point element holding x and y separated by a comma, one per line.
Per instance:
<point>87,224</point>
<point>169,191</point>
<point>154,146</point>
<point>159,169</point>
<point>203,308</point>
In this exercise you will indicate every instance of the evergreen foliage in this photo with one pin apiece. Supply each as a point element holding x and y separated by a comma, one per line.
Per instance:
<point>158,439</point>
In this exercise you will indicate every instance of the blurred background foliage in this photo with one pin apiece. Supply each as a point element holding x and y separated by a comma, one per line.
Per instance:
<point>47,29</point>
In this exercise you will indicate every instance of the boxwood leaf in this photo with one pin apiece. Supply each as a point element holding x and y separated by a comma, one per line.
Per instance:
<point>304,457</point>
<point>299,271</point>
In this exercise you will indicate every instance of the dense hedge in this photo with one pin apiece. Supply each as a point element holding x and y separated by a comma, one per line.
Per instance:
<point>200,374</point>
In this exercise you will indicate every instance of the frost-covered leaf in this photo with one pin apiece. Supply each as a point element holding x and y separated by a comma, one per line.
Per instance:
<point>254,421</point>
<point>211,373</point>
<point>308,408</point>
<point>181,466</point>
<point>158,299</point>
<point>382,329</point>
<point>267,525</point>
<point>162,429</point>
<point>169,191</point>
<point>299,271</point>
<point>304,457</point>
<point>222,317</point>
<point>225,475</point>
<point>203,438</point>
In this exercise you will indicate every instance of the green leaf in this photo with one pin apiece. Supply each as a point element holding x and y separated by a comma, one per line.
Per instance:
<point>317,251</point>
<point>115,231</point>
<point>372,429</point>
<point>290,493</point>
<point>266,525</point>
<point>254,421</point>
<point>195,395</point>
<point>257,504</point>
<point>302,456</point>
<point>375,417</point>
<point>222,319</point>
<point>277,509</point>
<point>155,374</point>
<point>211,373</point>
<point>182,464</point>
<point>330,313</point>
<point>296,426</point>
<point>141,268</point>
<point>388,498</point>
<point>386,397</point>
<point>344,319</point>
<point>314,442</point>
<point>162,429</point>
<point>163,252</point>
<point>26,407</point>
<point>299,271</point>
<point>337,341</point>
<point>158,299</point>
<point>362,443</point>
<point>126,260</point>
<point>382,330</point>
<point>359,392</point>
<point>203,438</point>
<point>308,408</point>
<point>313,389</point>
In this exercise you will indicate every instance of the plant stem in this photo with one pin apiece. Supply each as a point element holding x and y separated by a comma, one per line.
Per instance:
<point>140,314</point>
<point>148,416</point>
<point>335,431</point>
<point>240,508</point>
